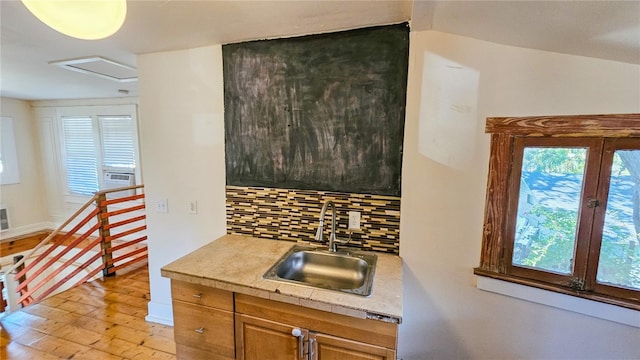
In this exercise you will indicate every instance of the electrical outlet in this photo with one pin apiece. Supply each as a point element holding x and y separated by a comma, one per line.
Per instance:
<point>354,220</point>
<point>193,207</point>
<point>162,205</point>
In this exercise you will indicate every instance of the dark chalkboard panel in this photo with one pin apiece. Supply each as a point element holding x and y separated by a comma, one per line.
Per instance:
<point>319,112</point>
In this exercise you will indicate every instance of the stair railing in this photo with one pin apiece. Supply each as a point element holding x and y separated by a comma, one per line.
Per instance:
<point>114,236</point>
<point>3,301</point>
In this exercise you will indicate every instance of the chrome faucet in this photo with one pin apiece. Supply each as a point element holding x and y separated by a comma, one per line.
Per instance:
<point>332,236</point>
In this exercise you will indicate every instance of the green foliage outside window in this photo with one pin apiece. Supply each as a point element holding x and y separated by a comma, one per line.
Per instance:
<point>562,161</point>
<point>554,160</point>
<point>551,246</point>
<point>547,241</point>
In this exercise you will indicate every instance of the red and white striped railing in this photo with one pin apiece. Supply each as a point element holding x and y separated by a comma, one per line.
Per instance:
<point>107,238</point>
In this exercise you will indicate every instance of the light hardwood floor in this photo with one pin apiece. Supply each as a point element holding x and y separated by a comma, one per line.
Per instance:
<point>103,319</point>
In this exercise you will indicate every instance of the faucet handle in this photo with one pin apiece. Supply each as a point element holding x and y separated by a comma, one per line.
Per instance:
<point>333,243</point>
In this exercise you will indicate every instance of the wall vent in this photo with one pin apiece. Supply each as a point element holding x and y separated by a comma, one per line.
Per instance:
<point>4,219</point>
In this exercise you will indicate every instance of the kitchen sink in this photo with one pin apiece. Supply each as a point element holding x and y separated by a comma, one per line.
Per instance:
<point>344,271</point>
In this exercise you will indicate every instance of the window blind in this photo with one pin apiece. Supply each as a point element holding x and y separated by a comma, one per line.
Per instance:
<point>82,173</point>
<point>117,141</point>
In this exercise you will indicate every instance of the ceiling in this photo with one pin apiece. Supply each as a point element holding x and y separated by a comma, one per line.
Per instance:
<point>601,29</point>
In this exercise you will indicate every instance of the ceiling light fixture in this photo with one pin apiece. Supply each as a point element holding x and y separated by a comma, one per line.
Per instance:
<point>86,19</point>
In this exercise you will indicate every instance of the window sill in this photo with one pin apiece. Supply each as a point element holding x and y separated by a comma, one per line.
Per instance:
<point>82,199</point>
<point>76,199</point>
<point>561,301</point>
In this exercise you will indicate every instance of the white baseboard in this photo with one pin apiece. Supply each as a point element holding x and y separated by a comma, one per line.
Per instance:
<point>160,313</point>
<point>26,229</point>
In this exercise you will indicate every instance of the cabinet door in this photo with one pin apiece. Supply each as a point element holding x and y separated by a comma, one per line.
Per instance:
<point>326,347</point>
<point>258,339</point>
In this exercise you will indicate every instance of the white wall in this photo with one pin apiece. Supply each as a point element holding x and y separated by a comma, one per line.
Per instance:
<point>182,145</point>
<point>26,200</point>
<point>445,315</point>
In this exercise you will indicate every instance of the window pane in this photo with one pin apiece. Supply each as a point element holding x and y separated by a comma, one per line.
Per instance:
<point>550,191</point>
<point>82,173</point>
<point>117,141</point>
<point>9,171</point>
<point>619,262</point>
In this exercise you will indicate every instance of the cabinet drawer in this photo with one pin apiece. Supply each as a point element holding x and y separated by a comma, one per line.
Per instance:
<point>204,328</point>
<point>202,295</point>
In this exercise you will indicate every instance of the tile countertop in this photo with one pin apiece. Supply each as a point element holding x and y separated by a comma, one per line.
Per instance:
<point>237,263</point>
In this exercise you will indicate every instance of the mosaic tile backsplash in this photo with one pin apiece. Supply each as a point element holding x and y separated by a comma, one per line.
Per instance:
<point>294,215</point>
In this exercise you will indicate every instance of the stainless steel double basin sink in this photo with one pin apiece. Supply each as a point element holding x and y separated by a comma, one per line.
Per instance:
<point>344,270</point>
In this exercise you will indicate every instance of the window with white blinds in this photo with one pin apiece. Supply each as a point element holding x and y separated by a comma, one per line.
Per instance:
<point>80,155</point>
<point>97,141</point>
<point>118,145</point>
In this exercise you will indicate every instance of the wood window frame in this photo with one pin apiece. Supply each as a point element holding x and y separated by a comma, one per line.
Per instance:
<point>509,135</point>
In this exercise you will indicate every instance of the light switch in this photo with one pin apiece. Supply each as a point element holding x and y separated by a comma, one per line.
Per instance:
<point>162,205</point>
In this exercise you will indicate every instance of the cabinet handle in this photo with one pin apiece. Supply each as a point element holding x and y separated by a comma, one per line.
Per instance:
<point>197,296</point>
<point>200,331</point>
<point>311,348</point>
<point>298,333</point>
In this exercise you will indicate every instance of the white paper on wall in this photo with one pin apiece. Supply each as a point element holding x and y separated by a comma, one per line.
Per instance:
<point>448,111</point>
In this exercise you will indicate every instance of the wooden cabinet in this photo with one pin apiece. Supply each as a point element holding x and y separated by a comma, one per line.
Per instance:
<point>215,324</point>
<point>258,339</point>
<point>327,347</point>
<point>265,330</point>
<point>203,322</point>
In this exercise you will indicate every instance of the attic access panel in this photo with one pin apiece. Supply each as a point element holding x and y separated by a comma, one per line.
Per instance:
<point>100,67</point>
<point>321,112</point>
